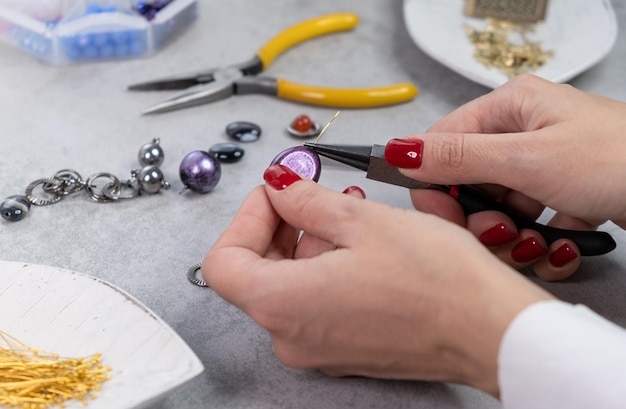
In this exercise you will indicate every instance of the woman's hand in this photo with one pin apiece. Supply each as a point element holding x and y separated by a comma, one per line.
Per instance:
<point>530,144</point>
<point>391,294</point>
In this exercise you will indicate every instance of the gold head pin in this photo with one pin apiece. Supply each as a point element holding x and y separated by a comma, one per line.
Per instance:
<point>326,126</point>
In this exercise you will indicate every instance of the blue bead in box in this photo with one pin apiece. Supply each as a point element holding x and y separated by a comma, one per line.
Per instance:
<point>114,44</point>
<point>98,32</point>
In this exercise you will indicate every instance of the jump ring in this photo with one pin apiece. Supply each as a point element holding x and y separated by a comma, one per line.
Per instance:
<point>72,181</point>
<point>100,197</point>
<point>192,275</point>
<point>37,201</point>
<point>109,191</point>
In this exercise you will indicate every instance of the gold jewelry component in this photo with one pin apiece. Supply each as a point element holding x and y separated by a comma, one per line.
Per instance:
<point>34,379</point>
<point>326,126</point>
<point>494,48</point>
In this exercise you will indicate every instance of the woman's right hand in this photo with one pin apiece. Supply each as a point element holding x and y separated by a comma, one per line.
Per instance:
<point>530,144</point>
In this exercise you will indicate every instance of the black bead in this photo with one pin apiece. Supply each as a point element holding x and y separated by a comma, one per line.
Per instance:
<point>227,152</point>
<point>243,131</point>
<point>14,208</point>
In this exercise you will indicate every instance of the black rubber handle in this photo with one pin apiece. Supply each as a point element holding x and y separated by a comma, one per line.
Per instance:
<point>590,243</point>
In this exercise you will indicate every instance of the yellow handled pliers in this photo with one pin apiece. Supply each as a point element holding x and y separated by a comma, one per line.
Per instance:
<point>216,84</point>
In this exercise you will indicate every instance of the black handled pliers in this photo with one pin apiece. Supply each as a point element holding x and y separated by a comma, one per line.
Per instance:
<point>371,159</point>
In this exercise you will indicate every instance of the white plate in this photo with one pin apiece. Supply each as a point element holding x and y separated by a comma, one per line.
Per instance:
<point>579,32</point>
<point>76,315</point>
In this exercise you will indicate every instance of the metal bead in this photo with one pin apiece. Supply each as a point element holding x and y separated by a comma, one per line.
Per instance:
<point>200,172</point>
<point>151,154</point>
<point>14,208</point>
<point>150,179</point>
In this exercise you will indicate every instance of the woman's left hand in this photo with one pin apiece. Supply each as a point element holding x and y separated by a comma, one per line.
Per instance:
<point>382,292</point>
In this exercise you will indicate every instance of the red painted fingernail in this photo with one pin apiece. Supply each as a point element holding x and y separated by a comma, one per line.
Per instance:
<point>280,177</point>
<point>497,235</point>
<point>454,191</point>
<point>350,189</point>
<point>404,153</point>
<point>562,256</point>
<point>527,250</point>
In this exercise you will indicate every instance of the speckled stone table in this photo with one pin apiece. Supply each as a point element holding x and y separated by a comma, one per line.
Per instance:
<point>81,117</point>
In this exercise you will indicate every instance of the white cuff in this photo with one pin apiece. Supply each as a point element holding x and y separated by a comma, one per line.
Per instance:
<point>557,355</point>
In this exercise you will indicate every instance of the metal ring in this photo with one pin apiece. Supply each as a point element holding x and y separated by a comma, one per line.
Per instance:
<point>37,201</point>
<point>72,181</point>
<point>193,276</point>
<point>99,196</point>
<point>108,191</point>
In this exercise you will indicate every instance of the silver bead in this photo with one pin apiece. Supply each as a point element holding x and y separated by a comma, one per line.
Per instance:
<point>150,179</point>
<point>151,154</point>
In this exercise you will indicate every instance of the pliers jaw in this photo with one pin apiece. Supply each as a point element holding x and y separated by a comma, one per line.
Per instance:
<point>180,82</point>
<point>370,159</point>
<point>225,84</point>
<point>174,83</point>
<point>222,86</point>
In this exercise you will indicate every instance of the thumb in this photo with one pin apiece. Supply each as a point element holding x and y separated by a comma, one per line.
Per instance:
<point>305,205</point>
<point>459,158</point>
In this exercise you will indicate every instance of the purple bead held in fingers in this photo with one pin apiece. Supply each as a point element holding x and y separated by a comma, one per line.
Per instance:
<point>200,172</point>
<point>301,160</point>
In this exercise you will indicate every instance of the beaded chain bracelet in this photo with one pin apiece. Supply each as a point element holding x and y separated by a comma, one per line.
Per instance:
<point>46,191</point>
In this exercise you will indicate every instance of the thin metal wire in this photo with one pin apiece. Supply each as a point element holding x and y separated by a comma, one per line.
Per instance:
<point>326,126</point>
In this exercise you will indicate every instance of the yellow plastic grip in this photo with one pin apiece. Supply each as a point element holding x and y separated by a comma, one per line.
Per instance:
<point>304,31</point>
<point>346,97</point>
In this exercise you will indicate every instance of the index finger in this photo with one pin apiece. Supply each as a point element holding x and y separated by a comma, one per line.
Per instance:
<point>503,110</point>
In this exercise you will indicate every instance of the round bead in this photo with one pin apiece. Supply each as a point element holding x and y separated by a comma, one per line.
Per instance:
<point>301,160</point>
<point>200,172</point>
<point>151,154</point>
<point>243,131</point>
<point>303,127</point>
<point>14,208</point>
<point>150,179</point>
<point>227,152</point>
<point>302,123</point>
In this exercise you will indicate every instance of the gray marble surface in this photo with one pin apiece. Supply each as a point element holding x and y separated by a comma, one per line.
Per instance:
<point>81,117</point>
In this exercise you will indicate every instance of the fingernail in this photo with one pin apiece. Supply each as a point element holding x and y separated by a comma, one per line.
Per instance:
<point>497,235</point>
<point>562,256</point>
<point>404,153</point>
<point>354,189</point>
<point>280,177</point>
<point>527,250</point>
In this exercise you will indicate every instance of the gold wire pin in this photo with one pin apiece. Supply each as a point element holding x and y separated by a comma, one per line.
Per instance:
<point>326,126</point>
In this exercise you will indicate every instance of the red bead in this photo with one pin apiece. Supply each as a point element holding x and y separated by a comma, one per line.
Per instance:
<point>302,123</point>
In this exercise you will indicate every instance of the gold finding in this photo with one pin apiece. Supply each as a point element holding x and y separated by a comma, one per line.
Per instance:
<point>494,48</point>
<point>326,126</point>
<point>34,379</point>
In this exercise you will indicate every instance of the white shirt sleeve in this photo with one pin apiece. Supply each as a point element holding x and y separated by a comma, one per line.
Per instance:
<point>558,355</point>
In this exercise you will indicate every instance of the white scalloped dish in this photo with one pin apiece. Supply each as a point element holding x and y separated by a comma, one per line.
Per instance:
<point>76,315</point>
<point>580,33</point>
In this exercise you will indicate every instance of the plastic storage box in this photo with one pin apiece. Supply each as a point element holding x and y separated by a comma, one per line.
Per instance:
<point>84,31</point>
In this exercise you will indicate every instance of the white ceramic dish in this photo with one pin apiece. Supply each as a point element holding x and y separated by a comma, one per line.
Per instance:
<point>579,32</point>
<point>76,315</point>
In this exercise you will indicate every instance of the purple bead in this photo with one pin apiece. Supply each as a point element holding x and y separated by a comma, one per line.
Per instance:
<point>301,160</point>
<point>200,172</point>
